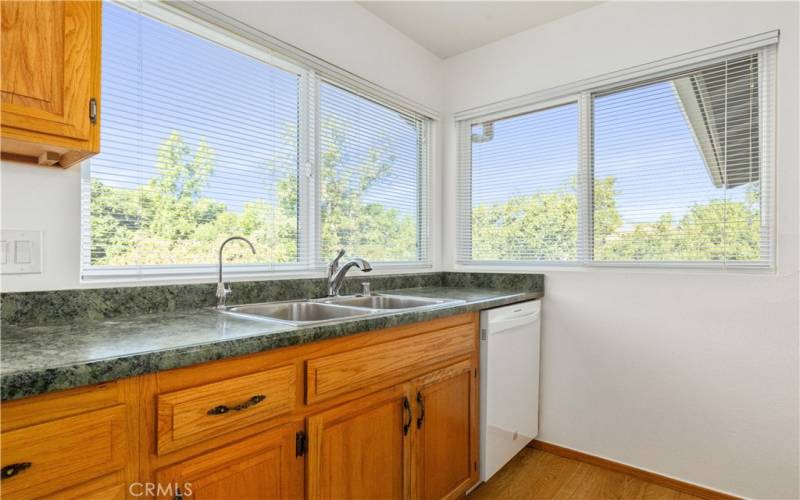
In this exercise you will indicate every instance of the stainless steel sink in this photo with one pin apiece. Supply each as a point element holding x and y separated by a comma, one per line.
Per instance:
<point>386,302</point>
<point>310,312</point>
<point>298,313</point>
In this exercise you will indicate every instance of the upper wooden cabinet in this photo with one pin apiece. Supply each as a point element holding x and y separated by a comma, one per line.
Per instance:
<point>50,81</point>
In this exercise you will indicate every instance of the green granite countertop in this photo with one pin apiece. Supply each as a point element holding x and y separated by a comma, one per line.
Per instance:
<point>44,358</point>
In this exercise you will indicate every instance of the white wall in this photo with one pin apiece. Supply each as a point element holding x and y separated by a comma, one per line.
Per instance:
<point>342,33</point>
<point>689,374</point>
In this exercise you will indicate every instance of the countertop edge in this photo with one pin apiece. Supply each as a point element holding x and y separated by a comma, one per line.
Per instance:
<point>27,383</point>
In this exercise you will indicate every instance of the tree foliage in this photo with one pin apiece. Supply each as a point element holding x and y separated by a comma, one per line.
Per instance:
<point>169,220</point>
<point>543,226</point>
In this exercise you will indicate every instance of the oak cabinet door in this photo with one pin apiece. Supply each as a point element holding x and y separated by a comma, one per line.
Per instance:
<point>259,468</point>
<point>361,449</point>
<point>445,443</point>
<point>51,73</point>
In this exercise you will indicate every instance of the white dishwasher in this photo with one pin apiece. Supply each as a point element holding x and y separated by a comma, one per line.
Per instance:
<point>509,402</point>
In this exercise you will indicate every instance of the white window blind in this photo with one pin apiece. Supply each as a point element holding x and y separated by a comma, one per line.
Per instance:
<point>672,168</point>
<point>522,187</point>
<point>678,168</point>
<point>191,152</point>
<point>205,136</point>
<point>373,179</point>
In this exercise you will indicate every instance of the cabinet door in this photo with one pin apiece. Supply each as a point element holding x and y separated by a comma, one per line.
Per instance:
<point>51,72</point>
<point>445,421</point>
<point>261,467</point>
<point>361,449</point>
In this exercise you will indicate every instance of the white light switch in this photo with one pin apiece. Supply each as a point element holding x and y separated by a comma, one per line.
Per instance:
<point>21,252</point>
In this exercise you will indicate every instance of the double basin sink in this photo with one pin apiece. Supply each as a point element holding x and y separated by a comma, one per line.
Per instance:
<point>314,311</point>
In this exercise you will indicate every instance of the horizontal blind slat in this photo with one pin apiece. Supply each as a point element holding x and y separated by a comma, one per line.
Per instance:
<point>681,174</point>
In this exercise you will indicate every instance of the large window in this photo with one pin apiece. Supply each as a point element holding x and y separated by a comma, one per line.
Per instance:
<point>374,167</point>
<point>205,136</point>
<point>669,169</point>
<point>523,186</point>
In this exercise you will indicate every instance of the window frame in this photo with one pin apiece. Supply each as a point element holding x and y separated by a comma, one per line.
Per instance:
<point>764,45</point>
<point>225,32</point>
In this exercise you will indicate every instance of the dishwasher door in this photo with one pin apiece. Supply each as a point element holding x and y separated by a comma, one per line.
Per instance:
<point>509,386</point>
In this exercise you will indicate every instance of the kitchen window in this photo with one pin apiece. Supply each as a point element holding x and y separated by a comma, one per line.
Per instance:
<point>671,168</point>
<point>205,135</point>
<point>373,162</point>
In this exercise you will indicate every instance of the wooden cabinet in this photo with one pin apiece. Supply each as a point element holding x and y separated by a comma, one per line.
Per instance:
<point>390,414</point>
<point>50,90</point>
<point>264,467</point>
<point>361,449</point>
<point>415,440</point>
<point>445,442</point>
<point>197,413</point>
<point>75,444</point>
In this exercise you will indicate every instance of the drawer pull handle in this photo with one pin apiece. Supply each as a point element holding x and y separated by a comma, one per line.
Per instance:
<point>13,469</point>
<point>222,409</point>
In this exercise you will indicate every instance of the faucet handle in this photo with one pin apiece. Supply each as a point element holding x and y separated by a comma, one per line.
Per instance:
<point>334,265</point>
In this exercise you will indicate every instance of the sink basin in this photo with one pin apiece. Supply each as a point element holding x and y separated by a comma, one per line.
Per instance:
<point>298,313</point>
<point>386,301</point>
<point>311,312</point>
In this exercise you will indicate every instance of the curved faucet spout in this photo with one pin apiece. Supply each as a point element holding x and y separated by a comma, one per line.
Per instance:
<point>336,279</point>
<point>224,290</point>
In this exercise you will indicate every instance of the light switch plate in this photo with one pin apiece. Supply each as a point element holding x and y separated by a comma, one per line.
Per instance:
<point>21,252</point>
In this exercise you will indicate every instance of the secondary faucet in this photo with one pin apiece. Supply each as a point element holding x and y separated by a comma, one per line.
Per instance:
<point>224,289</point>
<point>336,274</point>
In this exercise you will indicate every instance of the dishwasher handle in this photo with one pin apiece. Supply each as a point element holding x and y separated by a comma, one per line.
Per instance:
<point>499,326</point>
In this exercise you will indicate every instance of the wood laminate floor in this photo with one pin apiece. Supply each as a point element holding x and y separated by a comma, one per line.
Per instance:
<point>538,474</point>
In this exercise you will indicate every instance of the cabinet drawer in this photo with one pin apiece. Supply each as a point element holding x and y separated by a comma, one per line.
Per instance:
<point>63,453</point>
<point>380,365</point>
<point>191,415</point>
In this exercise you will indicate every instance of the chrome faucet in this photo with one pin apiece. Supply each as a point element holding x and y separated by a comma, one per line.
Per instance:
<point>224,289</point>
<point>336,274</point>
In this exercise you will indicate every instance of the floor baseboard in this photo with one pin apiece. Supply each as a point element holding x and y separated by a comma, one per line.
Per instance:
<point>668,482</point>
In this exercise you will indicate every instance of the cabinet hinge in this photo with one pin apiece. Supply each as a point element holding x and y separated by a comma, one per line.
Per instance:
<point>475,464</point>
<point>300,444</point>
<point>476,373</point>
<point>93,110</point>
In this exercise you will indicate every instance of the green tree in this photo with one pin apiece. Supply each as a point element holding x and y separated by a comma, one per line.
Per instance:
<point>349,220</point>
<point>169,221</point>
<point>543,226</point>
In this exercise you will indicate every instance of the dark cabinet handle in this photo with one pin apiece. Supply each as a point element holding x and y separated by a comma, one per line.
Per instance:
<point>222,409</point>
<point>93,110</point>
<point>421,403</point>
<point>407,408</point>
<point>13,469</point>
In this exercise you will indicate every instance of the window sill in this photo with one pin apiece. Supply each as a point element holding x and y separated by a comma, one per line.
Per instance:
<point>207,274</point>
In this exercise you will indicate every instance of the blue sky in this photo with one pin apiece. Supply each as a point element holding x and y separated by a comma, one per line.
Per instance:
<point>158,79</point>
<point>641,138</point>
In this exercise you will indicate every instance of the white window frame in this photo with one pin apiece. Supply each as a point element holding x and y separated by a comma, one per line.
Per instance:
<point>206,23</point>
<point>582,93</point>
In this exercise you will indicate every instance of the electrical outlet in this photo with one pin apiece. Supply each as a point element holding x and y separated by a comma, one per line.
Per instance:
<point>21,252</point>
